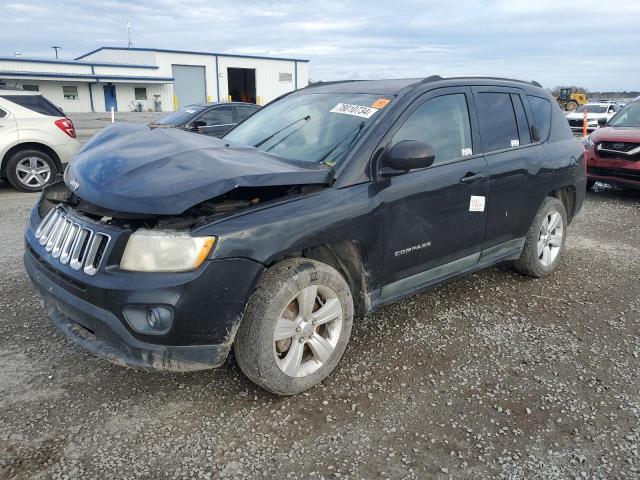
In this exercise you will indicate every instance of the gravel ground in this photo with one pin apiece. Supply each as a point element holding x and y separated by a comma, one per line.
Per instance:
<point>492,376</point>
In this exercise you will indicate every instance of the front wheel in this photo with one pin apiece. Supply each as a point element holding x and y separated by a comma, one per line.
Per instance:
<point>296,326</point>
<point>545,240</point>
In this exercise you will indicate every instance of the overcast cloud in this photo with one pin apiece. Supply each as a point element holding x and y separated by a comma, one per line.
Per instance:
<point>588,42</point>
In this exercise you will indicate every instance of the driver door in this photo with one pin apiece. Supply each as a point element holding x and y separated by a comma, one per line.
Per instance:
<point>434,218</point>
<point>218,121</point>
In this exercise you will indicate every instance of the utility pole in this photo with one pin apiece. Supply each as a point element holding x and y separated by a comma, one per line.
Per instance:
<point>56,49</point>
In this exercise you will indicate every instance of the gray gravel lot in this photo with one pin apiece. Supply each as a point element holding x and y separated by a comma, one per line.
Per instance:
<point>492,376</point>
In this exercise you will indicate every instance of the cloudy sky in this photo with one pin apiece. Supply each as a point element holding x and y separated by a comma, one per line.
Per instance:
<point>587,42</point>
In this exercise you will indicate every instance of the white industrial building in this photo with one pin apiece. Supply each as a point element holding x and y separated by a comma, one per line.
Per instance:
<point>135,78</point>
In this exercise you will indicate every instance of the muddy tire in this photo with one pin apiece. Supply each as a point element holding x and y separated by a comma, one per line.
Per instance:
<point>30,170</point>
<point>296,326</point>
<point>571,106</point>
<point>544,241</point>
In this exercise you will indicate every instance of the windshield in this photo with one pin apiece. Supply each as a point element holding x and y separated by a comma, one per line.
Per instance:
<point>180,116</point>
<point>629,116</point>
<point>591,109</point>
<point>312,127</point>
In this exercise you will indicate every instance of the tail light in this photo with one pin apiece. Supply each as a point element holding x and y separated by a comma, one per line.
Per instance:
<point>66,125</point>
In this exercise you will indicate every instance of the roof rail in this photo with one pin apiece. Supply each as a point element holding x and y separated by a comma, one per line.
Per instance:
<point>332,82</point>
<point>431,78</point>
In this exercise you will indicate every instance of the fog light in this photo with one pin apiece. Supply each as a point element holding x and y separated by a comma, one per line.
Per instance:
<point>149,319</point>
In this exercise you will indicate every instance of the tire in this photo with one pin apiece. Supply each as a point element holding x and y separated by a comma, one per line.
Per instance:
<point>571,106</point>
<point>263,359</point>
<point>531,261</point>
<point>23,167</point>
<point>590,184</point>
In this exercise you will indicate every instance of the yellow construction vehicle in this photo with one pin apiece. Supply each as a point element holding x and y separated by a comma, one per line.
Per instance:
<point>570,99</point>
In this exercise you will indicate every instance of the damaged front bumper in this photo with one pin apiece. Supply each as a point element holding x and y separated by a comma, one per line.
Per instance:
<point>207,305</point>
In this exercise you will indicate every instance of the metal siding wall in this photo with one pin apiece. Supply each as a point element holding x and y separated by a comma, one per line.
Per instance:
<point>52,90</point>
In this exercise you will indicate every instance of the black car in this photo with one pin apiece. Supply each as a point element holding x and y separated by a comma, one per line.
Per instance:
<point>213,118</point>
<point>162,249</point>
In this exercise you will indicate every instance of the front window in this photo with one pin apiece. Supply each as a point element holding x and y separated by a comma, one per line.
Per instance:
<point>181,116</point>
<point>629,116</point>
<point>70,93</point>
<point>591,109</point>
<point>311,127</point>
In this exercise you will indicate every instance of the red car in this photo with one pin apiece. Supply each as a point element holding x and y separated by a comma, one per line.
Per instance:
<point>613,151</point>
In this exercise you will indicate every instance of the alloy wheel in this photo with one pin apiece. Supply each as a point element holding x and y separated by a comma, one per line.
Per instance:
<point>550,238</point>
<point>307,331</point>
<point>33,172</point>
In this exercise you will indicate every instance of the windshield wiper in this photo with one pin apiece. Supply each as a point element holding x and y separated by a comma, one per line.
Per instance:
<point>262,142</point>
<point>355,131</point>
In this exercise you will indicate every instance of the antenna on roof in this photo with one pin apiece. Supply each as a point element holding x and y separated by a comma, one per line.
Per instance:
<point>56,49</point>
<point>129,32</point>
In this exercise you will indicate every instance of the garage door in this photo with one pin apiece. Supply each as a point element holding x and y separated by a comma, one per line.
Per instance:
<point>188,84</point>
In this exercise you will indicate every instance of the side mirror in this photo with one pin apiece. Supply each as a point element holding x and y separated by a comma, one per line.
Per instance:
<point>407,155</point>
<point>535,133</point>
<point>198,123</point>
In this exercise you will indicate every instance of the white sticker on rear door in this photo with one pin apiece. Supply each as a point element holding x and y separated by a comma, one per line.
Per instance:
<point>476,204</point>
<point>357,110</point>
<point>515,143</point>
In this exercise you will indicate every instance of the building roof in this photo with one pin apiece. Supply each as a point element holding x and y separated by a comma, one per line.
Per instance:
<point>161,50</point>
<point>83,76</point>
<point>76,62</point>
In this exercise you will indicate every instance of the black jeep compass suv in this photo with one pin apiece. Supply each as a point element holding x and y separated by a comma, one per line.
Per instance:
<point>162,249</point>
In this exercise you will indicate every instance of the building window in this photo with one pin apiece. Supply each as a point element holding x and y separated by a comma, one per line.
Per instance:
<point>285,77</point>
<point>31,88</point>
<point>140,93</point>
<point>70,93</point>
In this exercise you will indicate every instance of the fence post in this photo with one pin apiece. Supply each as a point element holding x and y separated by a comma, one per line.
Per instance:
<point>113,115</point>
<point>584,122</point>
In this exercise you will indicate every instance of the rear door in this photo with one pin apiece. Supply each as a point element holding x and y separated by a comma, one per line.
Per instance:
<point>219,120</point>
<point>514,165</point>
<point>434,218</point>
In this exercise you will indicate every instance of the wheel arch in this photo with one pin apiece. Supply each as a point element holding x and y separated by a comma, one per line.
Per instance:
<point>348,258</point>
<point>29,146</point>
<point>567,195</point>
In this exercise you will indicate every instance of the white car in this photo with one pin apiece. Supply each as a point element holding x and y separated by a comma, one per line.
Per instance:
<point>598,114</point>
<point>36,139</point>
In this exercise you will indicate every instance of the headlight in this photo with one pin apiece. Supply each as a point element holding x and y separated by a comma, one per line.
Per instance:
<point>164,251</point>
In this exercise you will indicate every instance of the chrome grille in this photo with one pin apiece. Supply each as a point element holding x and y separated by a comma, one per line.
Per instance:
<point>72,243</point>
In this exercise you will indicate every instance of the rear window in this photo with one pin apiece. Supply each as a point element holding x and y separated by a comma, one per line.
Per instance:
<point>36,103</point>
<point>2,113</point>
<point>498,127</point>
<point>541,109</point>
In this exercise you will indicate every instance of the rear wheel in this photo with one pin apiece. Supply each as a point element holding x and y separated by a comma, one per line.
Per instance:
<point>30,170</point>
<point>296,326</point>
<point>545,240</point>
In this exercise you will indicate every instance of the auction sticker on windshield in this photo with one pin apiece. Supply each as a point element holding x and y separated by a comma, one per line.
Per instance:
<point>357,110</point>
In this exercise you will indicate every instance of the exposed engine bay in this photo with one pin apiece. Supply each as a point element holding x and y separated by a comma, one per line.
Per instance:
<point>236,200</point>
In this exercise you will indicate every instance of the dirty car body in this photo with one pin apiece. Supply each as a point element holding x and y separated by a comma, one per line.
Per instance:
<point>390,234</point>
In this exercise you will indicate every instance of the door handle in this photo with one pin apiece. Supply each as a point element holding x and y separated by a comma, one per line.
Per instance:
<point>472,177</point>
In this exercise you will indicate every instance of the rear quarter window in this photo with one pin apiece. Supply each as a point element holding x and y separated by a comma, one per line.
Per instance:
<point>35,103</point>
<point>2,113</point>
<point>541,110</point>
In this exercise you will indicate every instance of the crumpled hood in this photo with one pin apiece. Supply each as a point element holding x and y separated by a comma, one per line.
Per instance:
<point>132,168</point>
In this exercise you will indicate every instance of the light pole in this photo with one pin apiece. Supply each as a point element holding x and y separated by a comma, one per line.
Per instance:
<point>56,49</point>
